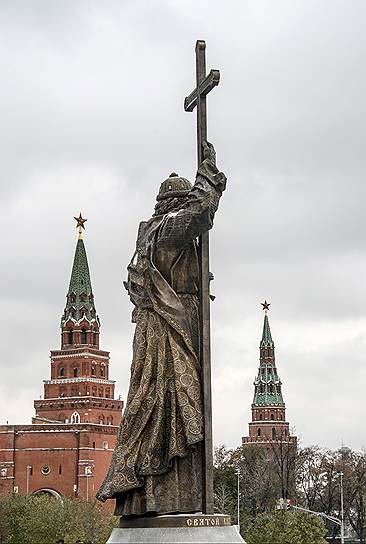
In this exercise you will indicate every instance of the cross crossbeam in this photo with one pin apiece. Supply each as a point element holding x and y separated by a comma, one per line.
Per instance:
<point>204,88</point>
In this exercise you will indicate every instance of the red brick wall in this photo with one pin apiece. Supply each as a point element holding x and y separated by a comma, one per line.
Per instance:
<point>66,448</point>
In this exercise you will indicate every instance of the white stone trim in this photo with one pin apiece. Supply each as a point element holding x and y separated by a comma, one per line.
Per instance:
<point>84,354</point>
<point>57,449</point>
<point>59,381</point>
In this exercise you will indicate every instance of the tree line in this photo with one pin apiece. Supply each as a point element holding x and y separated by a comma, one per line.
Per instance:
<point>308,477</point>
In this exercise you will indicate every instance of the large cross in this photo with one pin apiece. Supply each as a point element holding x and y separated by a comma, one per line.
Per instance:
<point>197,99</point>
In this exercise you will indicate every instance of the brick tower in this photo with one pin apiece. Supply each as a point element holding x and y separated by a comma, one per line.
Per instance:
<point>79,390</point>
<point>68,447</point>
<point>268,423</point>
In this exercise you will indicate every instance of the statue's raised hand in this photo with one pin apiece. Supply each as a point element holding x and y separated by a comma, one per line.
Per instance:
<point>209,152</point>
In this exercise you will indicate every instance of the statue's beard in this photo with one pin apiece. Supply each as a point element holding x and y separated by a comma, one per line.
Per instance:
<point>169,205</point>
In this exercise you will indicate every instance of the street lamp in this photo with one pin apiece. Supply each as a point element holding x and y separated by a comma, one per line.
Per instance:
<point>342,509</point>
<point>237,472</point>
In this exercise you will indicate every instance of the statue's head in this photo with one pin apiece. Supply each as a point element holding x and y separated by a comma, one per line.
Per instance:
<point>172,194</point>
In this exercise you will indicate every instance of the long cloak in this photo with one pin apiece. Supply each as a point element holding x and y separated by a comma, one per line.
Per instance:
<point>156,466</point>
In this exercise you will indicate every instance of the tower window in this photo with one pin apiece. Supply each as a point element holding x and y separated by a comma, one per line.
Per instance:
<point>95,338</point>
<point>272,417</point>
<point>93,370</point>
<point>70,337</point>
<point>273,433</point>
<point>75,417</point>
<point>258,432</point>
<point>75,372</point>
<point>101,420</point>
<point>261,416</point>
<point>83,336</point>
<point>61,372</point>
<point>105,445</point>
<point>102,371</point>
<point>60,469</point>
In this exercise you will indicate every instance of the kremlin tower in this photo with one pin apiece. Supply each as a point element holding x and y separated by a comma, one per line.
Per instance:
<point>68,447</point>
<point>268,425</point>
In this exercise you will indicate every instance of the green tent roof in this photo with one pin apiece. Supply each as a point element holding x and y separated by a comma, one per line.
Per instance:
<point>266,341</point>
<point>80,299</point>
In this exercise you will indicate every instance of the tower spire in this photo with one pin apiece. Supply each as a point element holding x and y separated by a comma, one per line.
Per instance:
<point>80,298</point>
<point>266,335</point>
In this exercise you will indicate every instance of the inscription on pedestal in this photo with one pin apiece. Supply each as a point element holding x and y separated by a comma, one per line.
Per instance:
<point>208,521</point>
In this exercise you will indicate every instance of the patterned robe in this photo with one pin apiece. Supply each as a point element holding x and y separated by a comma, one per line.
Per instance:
<point>156,466</point>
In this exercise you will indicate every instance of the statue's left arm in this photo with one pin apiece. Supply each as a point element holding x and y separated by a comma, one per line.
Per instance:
<point>198,213</point>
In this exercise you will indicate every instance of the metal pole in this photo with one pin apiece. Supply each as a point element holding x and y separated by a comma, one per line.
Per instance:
<point>27,487</point>
<point>238,493</point>
<point>342,510</point>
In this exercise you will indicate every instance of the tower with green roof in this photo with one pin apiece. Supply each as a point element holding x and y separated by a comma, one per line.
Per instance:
<point>268,423</point>
<point>79,389</point>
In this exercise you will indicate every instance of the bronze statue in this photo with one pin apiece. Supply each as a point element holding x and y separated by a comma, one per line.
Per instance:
<point>157,463</point>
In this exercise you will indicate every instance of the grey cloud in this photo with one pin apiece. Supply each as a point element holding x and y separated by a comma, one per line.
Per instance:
<point>92,119</point>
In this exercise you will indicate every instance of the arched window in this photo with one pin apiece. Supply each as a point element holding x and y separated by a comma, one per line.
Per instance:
<point>273,433</point>
<point>69,337</point>
<point>105,445</point>
<point>107,393</point>
<point>260,416</point>
<point>272,417</point>
<point>102,370</point>
<point>83,336</point>
<point>61,371</point>
<point>75,417</point>
<point>95,339</point>
<point>101,420</point>
<point>258,432</point>
<point>75,372</point>
<point>93,369</point>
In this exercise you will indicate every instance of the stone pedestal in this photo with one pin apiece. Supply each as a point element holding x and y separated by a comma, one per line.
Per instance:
<point>180,528</point>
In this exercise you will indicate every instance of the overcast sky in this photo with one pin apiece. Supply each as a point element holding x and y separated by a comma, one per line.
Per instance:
<point>92,120</point>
